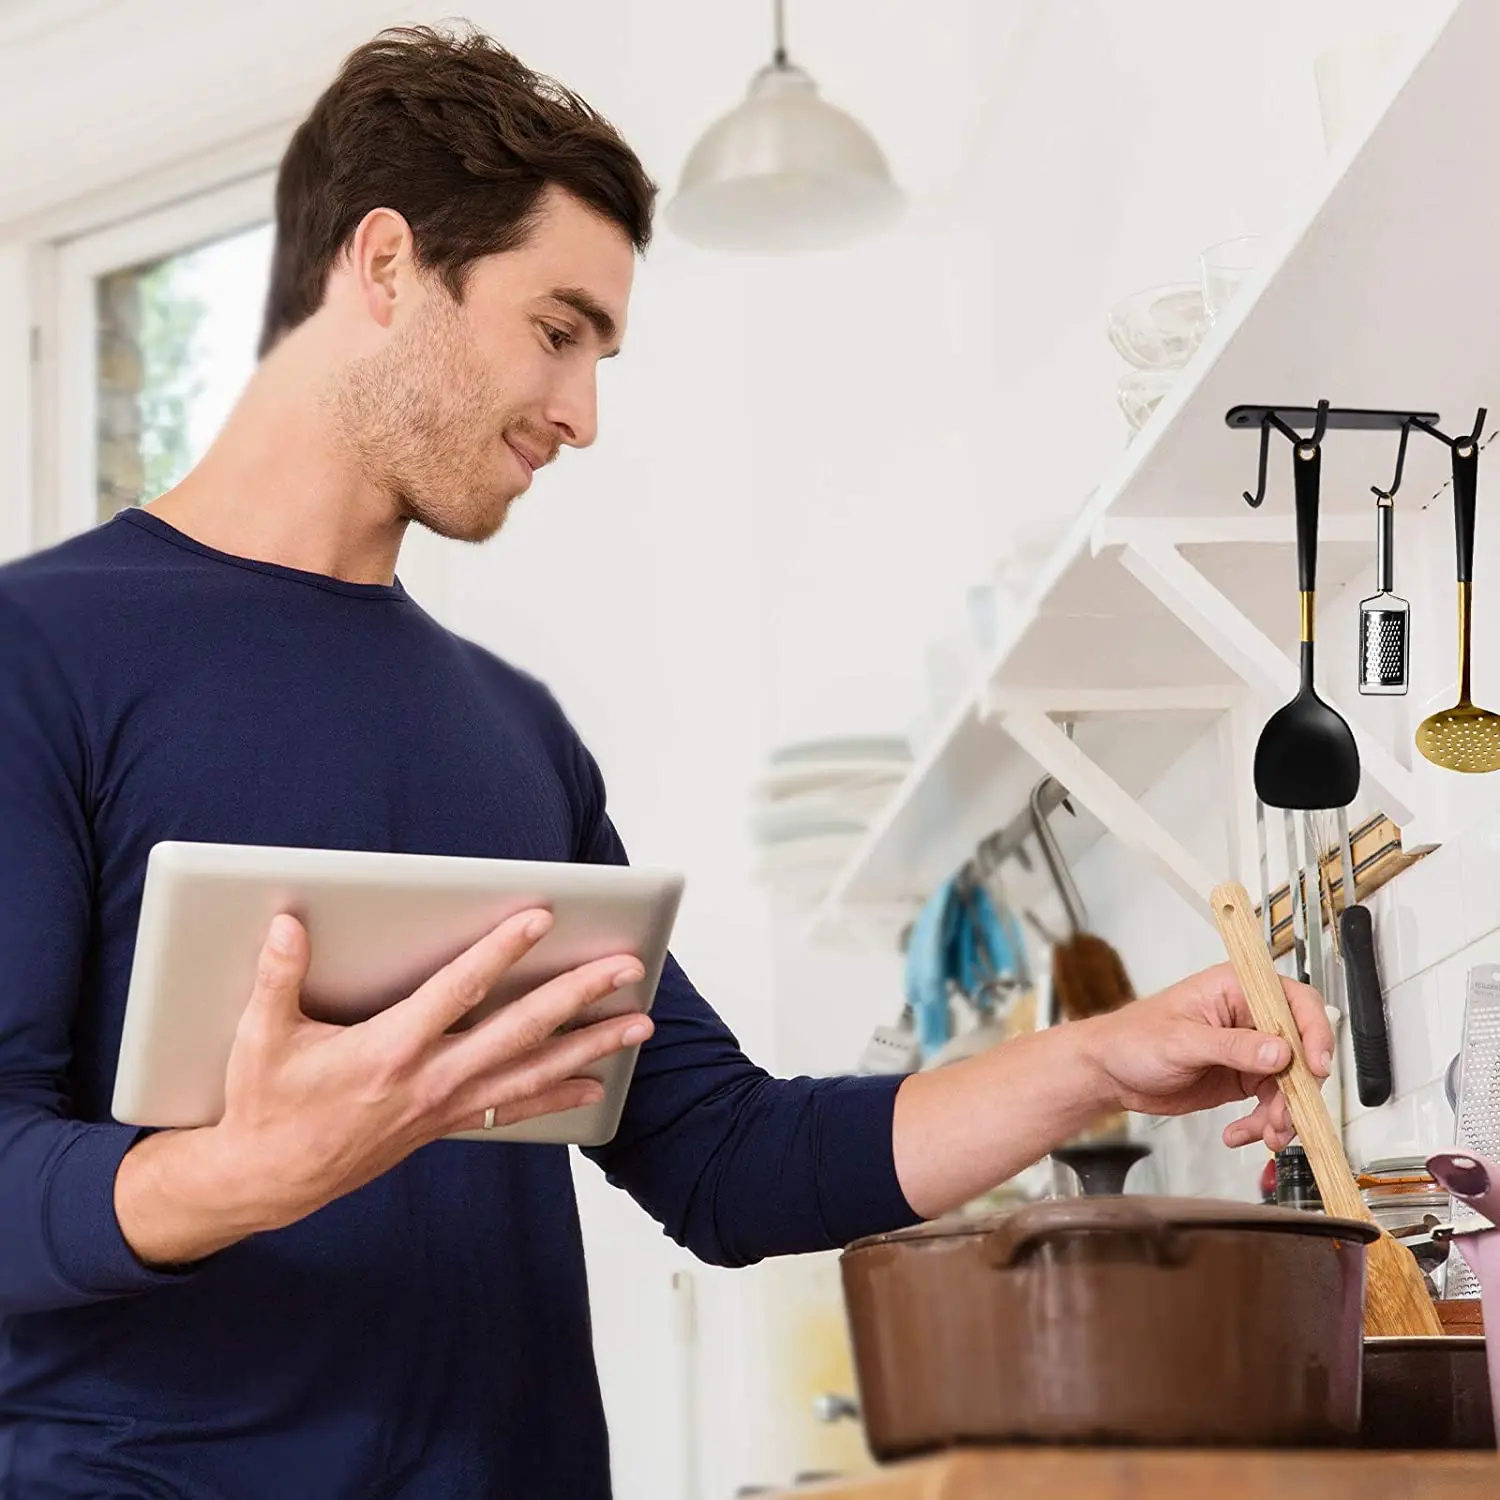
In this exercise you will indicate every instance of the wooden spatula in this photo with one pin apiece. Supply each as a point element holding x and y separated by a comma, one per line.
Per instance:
<point>1396,1299</point>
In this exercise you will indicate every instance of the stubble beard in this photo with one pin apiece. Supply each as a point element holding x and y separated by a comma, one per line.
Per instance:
<point>418,417</point>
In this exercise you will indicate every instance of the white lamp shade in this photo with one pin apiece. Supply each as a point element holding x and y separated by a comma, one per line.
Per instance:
<point>785,171</point>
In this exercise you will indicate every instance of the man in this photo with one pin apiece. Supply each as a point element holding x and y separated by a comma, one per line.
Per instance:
<point>317,1296</point>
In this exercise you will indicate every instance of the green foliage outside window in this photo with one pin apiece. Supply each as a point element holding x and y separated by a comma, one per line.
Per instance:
<point>170,320</point>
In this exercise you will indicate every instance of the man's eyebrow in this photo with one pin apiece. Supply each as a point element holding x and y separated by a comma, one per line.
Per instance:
<point>589,306</point>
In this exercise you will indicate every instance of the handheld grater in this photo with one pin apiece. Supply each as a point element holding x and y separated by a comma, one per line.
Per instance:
<point>1384,619</point>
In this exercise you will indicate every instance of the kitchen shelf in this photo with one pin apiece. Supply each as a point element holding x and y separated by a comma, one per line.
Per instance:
<point>1097,649</point>
<point>1169,605</point>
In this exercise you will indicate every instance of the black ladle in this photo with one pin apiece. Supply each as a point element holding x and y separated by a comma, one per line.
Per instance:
<point>1102,1166</point>
<point>1306,756</point>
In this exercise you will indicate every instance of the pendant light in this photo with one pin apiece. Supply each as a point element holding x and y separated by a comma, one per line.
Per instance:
<point>784,171</point>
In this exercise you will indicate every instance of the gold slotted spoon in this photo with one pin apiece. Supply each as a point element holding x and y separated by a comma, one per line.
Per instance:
<point>1464,737</point>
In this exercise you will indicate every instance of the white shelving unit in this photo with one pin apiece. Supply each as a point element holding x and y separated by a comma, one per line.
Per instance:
<point>1170,604</point>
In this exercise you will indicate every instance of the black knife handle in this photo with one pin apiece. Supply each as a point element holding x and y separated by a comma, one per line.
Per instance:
<point>1372,1050</point>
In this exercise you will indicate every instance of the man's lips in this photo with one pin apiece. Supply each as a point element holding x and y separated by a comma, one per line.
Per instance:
<point>532,461</point>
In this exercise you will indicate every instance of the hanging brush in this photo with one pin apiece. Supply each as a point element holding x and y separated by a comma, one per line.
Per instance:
<point>1088,977</point>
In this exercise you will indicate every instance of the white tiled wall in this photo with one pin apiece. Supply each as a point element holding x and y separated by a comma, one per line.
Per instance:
<point>1434,922</point>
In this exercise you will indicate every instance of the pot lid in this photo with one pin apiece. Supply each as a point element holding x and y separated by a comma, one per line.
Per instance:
<point>1127,1212</point>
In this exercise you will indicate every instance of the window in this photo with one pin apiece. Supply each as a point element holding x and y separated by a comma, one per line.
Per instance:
<point>176,345</point>
<point>158,319</point>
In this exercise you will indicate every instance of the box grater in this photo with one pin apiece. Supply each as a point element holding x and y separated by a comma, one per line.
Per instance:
<point>1478,1113</point>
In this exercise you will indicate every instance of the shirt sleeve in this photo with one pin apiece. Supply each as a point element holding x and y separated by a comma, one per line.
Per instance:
<point>734,1164</point>
<point>60,1243</point>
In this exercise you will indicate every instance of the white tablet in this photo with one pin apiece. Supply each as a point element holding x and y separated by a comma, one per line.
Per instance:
<point>379,924</point>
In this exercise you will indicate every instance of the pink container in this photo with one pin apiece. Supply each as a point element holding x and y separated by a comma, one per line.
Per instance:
<point>1476,1181</point>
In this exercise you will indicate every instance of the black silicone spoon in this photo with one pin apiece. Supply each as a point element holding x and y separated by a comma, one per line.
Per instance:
<point>1306,756</point>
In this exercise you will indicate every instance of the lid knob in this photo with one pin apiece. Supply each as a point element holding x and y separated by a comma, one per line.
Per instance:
<point>1102,1166</point>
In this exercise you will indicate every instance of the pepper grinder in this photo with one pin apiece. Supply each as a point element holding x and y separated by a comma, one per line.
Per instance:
<point>1384,638</point>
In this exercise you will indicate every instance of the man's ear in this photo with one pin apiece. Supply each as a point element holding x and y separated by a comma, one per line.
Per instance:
<point>381,257</point>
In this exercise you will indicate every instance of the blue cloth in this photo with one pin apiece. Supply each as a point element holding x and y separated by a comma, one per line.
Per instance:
<point>958,941</point>
<point>928,968</point>
<point>986,945</point>
<point>426,1337</point>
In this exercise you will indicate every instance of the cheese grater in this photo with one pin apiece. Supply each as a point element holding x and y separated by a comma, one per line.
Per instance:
<point>1383,618</point>
<point>1478,1114</point>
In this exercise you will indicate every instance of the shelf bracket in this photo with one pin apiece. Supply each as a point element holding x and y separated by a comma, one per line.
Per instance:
<point>1051,748</point>
<point>1255,658</point>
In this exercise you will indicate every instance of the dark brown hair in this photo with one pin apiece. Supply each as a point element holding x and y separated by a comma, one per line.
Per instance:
<point>459,137</point>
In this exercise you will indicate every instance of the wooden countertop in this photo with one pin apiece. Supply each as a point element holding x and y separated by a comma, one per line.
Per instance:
<point>1179,1474</point>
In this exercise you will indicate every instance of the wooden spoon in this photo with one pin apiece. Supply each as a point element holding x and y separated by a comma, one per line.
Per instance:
<point>1396,1300</point>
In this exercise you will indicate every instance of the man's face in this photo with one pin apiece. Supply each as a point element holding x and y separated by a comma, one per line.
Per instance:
<point>465,400</point>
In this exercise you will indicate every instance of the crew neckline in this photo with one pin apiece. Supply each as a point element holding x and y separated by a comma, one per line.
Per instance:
<point>166,532</point>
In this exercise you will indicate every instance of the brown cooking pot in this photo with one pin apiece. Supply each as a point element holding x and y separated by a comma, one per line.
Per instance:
<point>1164,1321</point>
<point>1427,1393</point>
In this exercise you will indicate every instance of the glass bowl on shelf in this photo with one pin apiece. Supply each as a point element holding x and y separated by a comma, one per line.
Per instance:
<point>1225,268</point>
<point>1159,328</point>
<point>1139,392</point>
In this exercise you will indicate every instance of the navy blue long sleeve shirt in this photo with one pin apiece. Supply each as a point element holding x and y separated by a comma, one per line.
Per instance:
<point>427,1336</point>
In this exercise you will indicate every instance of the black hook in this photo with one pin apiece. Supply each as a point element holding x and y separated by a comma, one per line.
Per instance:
<point>1267,422</point>
<point>1468,442</point>
<point>1390,494</point>
<point>1320,426</point>
<point>1253,501</point>
<point>1457,444</point>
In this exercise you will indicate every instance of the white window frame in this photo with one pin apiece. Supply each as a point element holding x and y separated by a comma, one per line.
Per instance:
<point>79,263</point>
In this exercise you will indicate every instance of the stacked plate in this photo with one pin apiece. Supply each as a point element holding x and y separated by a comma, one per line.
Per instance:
<point>814,804</point>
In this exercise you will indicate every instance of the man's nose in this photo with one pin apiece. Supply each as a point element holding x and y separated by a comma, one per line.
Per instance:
<point>574,409</point>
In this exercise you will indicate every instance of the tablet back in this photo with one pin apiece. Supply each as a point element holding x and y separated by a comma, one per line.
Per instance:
<point>380,924</point>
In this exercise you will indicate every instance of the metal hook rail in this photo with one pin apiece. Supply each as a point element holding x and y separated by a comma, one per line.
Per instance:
<point>1321,419</point>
